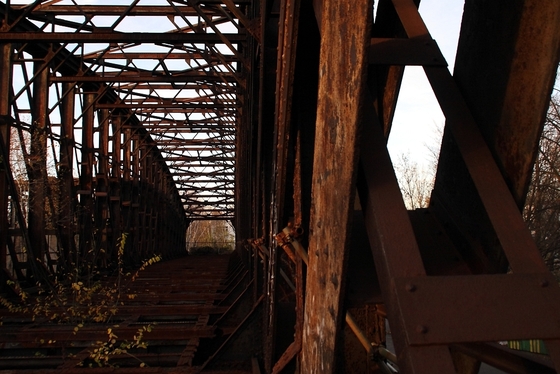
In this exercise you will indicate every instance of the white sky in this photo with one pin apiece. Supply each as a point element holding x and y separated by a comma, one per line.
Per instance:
<point>418,114</point>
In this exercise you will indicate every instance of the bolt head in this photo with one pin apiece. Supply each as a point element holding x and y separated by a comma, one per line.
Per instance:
<point>421,329</point>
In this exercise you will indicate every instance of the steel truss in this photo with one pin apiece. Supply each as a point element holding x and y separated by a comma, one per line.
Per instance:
<point>125,105</point>
<point>142,116</point>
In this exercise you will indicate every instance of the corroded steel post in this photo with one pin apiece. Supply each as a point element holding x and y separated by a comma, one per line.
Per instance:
<point>37,164</point>
<point>115,185</point>
<point>5,124</point>
<point>67,195</point>
<point>101,187</point>
<point>341,83</point>
<point>86,176</point>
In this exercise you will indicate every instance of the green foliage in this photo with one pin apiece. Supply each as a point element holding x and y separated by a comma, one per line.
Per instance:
<point>79,301</point>
<point>104,350</point>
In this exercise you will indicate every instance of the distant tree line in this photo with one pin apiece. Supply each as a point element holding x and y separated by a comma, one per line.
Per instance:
<point>542,207</point>
<point>210,236</point>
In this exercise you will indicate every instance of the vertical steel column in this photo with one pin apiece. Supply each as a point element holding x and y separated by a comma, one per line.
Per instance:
<point>126,185</point>
<point>86,176</point>
<point>66,178</point>
<point>101,188</point>
<point>141,192</point>
<point>37,164</point>
<point>115,185</point>
<point>5,124</point>
<point>344,38</point>
<point>150,172</point>
<point>135,141</point>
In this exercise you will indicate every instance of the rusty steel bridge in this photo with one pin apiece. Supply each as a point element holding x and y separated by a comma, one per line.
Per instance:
<point>124,122</point>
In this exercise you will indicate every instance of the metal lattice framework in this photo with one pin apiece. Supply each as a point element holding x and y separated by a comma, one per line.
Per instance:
<point>122,123</point>
<point>172,71</point>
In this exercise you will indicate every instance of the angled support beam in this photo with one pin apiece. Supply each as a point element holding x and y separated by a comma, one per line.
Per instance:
<point>421,340</point>
<point>251,26</point>
<point>393,245</point>
<point>507,78</point>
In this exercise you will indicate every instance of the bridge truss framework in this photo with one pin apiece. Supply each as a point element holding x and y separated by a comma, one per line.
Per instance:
<point>139,117</point>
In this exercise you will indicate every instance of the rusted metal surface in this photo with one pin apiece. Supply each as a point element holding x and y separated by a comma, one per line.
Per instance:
<point>510,121</point>
<point>504,63</point>
<point>386,78</point>
<point>36,164</point>
<point>335,169</point>
<point>393,245</point>
<point>5,130</point>
<point>478,308</point>
<point>223,111</point>
<point>388,242</point>
<point>500,207</point>
<point>392,51</point>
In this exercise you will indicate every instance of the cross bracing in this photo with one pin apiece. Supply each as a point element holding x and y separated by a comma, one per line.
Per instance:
<point>173,72</point>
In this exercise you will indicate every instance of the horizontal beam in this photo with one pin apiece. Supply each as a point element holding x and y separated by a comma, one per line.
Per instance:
<point>158,56</point>
<point>117,37</point>
<point>207,173</point>
<point>210,192</point>
<point>198,158</point>
<point>221,199</point>
<point>209,181</point>
<point>180,100</point>
<point>179,128</point>
<point>208,122</point>
<point>223,210</point>
<point>212,218</point>
<point>116,10</point>
<point>183,105</point>
<point>185,77</point>
<point>165,148</point>
<point>222,191</point>
<point>199,142</point>
<point>417,51</point>
<point>485,308</point>
<point>216,86</point>
<point>193,205</point>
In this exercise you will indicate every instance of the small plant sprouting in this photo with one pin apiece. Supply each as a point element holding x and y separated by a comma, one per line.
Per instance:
<point>79,301</point>
<point>103,350</point>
